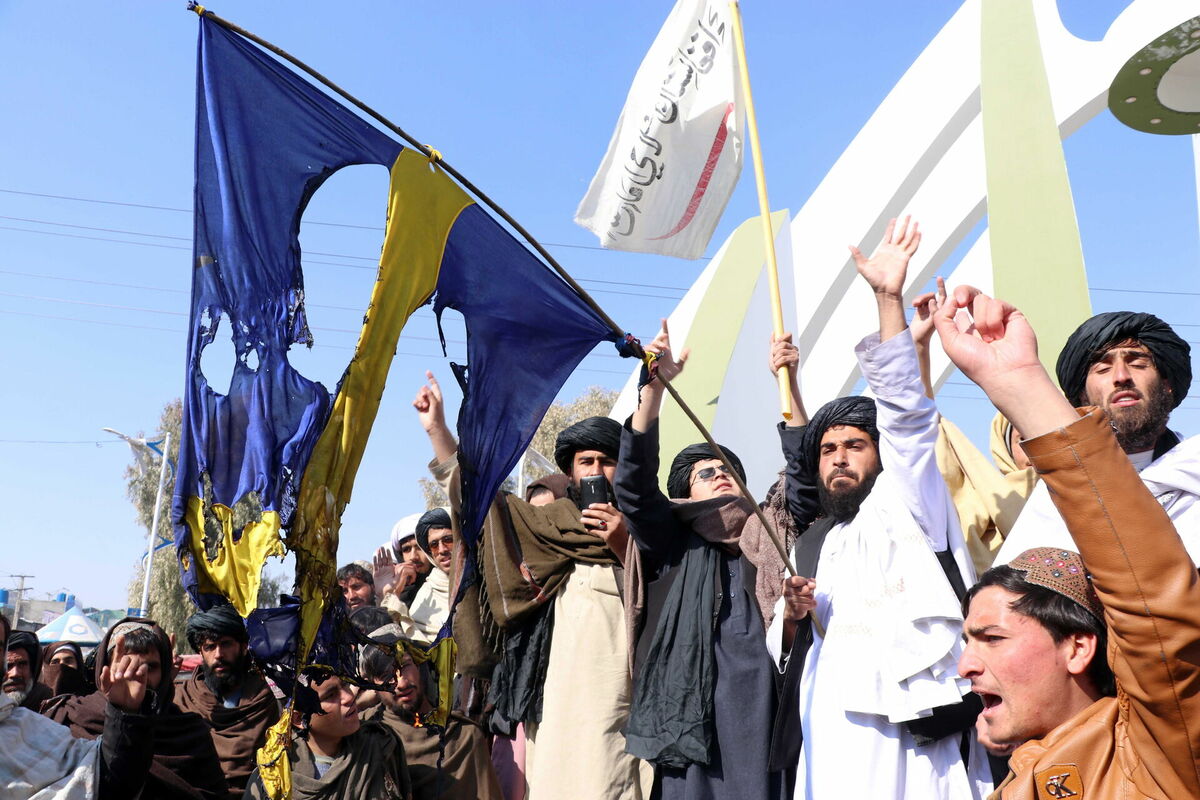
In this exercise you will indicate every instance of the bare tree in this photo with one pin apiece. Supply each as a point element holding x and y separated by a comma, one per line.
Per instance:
<point>170,605</point>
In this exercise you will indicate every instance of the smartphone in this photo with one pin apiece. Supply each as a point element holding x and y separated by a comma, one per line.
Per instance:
<point>593,489</point>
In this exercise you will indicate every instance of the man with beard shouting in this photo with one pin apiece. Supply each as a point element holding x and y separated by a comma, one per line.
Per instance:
<point>1136,370</point>
<point>228,692</point>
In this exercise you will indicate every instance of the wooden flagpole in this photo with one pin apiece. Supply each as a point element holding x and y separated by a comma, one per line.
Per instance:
<point>764,206</point>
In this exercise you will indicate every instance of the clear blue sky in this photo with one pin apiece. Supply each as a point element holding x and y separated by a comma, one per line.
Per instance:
<point>522,98</point>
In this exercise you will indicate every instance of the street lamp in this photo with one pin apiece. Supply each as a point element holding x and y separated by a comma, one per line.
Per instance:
<point>162,479</point>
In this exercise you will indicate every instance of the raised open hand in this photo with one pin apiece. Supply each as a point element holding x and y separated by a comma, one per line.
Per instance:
<point>886,269</point>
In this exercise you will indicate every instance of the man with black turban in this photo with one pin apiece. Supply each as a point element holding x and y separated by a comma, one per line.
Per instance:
<point>546,623</point>
<point>228,692</point>
<point>889,563</point>
<point>704,693</point>
<point>22,666</point>
<point>1136,370</point>
<point>421,619</point>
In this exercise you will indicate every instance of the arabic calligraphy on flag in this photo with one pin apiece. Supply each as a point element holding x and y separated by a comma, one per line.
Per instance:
<point>676,153</point>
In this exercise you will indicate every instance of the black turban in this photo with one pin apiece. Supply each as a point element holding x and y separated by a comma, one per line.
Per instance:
<point>679,480</point>
<point>433,518</point>
<point>593,433</point>
<point>24,640</point>
<point>855,410</point>
<point>220,620</point>
<point>1172,355</point>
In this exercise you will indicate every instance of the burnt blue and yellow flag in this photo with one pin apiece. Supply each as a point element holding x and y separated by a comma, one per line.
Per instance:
<point>266,140</point>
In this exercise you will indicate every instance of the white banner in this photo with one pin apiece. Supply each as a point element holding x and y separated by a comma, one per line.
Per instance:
<point>677,151</point>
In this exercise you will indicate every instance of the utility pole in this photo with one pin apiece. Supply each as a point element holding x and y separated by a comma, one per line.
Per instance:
<point>152,534</point>
<point>20,596</point>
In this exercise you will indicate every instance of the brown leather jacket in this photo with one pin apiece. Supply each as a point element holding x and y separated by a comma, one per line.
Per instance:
<point>1145,742</point>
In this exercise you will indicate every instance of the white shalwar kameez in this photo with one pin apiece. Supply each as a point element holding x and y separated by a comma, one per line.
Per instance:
<point>1173,478</point>
<point>893,624</point>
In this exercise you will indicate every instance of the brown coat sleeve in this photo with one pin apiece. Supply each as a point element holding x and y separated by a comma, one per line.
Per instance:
<point>1149,588</point>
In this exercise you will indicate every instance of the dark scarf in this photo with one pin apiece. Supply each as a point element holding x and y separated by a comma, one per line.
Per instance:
<point>432,519</point>
<point>451,763</point>
<point>681,650</point>
<point>371,766</point>
<point>36,693</point>
<point>60,679</point>
<point>185,764</point>
<point>1172,355</point>
<point>220,620</point>
<point>237,733</point>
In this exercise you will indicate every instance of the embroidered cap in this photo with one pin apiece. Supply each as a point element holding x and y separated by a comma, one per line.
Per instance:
<point>1060,571</point>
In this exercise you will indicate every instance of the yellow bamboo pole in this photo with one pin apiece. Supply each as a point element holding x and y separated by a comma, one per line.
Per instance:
<point>764,206</point>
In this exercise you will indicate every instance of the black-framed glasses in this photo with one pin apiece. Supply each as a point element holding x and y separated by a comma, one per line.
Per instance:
<point>709,473</point>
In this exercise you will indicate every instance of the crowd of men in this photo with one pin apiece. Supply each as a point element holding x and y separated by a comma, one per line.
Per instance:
<point>943,625</point>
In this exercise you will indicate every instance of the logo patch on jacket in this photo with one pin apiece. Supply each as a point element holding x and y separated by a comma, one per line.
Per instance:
<point>1060,781</point>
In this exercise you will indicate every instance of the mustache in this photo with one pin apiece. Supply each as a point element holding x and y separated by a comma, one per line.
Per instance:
<point>1126,390</point>
<point>838,472</point>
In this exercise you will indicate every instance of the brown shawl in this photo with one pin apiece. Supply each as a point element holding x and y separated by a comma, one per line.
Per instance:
<point>757,546</point>
<point>525,554</point>
<point>237,733</point>
<point>370,767</point>
<point>525,563</point>
<point>185,764</point>
<point>466,765</point>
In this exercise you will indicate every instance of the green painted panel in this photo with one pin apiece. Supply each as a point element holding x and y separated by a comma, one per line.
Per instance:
<point>1037,259</point>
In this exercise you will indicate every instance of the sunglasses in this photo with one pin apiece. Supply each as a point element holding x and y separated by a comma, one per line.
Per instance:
<point>709,473</point>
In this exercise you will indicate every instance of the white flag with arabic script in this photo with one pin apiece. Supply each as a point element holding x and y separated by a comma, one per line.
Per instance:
<point>677,151</point>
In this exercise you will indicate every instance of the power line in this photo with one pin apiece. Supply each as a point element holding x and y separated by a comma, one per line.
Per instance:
<point>377,228</point>
<point>323,345</point>
<point>61,234</point>
<point>1142,291</point>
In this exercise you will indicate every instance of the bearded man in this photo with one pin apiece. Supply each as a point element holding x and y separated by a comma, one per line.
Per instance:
<point>547,626</point>
<point>877,678</point>
<point>357,584</point>
<point>1089,662</point>
<point>228,693</point>
<point>450,762</point>
<point>1136,370</point>
<point>185,764</point>
<point>22,667</point>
